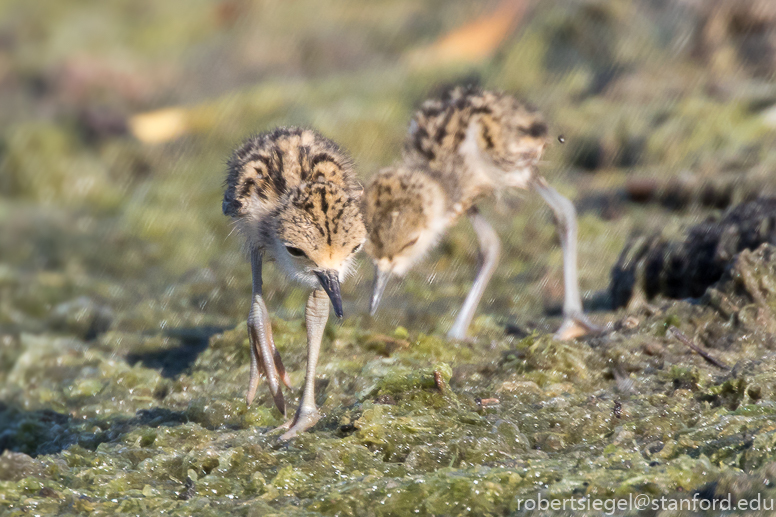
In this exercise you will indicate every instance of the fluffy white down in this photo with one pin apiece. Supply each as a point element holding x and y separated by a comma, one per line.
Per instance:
<point>488,173</point>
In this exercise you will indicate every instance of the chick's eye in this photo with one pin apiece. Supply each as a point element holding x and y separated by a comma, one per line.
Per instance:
<point>295,252</point>
<point>411,243</point>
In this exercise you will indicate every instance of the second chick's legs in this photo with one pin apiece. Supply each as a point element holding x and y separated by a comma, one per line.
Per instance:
<point>490,248</point>
<point>575,323</point>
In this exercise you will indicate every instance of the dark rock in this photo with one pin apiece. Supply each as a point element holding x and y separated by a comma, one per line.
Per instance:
<point>651,266</point>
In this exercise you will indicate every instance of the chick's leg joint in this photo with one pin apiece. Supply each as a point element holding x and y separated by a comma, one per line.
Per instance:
<point>264,356</point>
<point>316,316</point>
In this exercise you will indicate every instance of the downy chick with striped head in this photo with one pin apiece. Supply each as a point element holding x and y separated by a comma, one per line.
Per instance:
<point>473,143</point>
<point>481,140</point>
<point>406,210</point>
<point>293,195</point>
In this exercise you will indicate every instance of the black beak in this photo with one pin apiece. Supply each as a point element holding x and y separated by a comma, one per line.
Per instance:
<point>381,279</point>
<point>329,280</point>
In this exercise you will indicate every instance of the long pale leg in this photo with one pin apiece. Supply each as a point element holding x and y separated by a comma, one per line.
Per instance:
<point>490,247</point>
<point>264,355</point>
<point>316,315</point>
<point>575,323</point>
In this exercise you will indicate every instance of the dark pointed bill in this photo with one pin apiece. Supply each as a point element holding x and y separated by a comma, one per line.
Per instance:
<point>381,279</point>
<point>329,279</point>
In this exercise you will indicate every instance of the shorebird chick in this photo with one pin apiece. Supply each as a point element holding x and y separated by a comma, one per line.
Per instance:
<point>293,195</point>
<point>465,146</point>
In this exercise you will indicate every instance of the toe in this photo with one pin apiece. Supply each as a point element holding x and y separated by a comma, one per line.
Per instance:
<point>573,328</point>
<point>301,423</point>
<point>280,368</point>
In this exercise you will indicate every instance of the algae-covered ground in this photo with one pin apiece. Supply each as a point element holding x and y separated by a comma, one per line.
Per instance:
<point>123,348</point>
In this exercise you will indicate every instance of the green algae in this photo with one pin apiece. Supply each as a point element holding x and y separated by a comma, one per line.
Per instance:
<point>421,450</point>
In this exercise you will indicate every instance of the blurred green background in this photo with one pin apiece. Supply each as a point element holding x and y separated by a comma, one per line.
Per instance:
<point>117,119</point>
